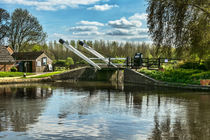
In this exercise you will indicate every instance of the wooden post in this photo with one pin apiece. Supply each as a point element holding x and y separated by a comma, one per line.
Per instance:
<point>5,67</point>
<point>158,63</point>
<point>109,61</point>
<point>127,61</point>
<point>131,62</point>
<point>147,63</point>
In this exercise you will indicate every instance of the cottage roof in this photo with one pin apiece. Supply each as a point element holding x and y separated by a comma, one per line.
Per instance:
<point>5,56</point>
<point>26,55</point>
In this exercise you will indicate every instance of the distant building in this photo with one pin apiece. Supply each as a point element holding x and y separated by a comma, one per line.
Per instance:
<point>24,61</point>
<point>6,60</point>
<point>32,61</point>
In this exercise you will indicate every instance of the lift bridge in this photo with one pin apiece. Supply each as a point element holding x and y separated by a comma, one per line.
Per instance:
<point>136,62</point>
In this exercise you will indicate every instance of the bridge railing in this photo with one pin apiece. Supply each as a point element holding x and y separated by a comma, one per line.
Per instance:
<point>124,62</point>
<point>146,62</point>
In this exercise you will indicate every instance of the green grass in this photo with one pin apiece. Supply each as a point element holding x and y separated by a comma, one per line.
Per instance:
<point>47,74</point>
<point>186,76</point>
<point>13,74</point>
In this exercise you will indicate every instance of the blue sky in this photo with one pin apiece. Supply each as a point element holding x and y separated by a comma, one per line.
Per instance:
<point>120,20</point>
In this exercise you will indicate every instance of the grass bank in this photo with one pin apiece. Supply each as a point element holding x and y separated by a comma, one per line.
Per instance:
<point>47,74</point>
<point>13,74</point>
<point>187,76</point>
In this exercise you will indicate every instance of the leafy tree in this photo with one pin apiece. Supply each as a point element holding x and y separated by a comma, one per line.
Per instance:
<point>36,48</point>
<point>24,30</point>
<point>184,24</point>
<point>4,24</point>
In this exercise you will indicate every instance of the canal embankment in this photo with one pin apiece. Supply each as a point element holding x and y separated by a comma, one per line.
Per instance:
<point>127,76</point>
<point>24,80</point>
<point>134,77</point>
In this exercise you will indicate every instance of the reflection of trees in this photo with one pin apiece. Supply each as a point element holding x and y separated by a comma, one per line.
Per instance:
<point>199,118</point>
<point>192,122</point>
<point>176,114</point>
<point>17,110</point>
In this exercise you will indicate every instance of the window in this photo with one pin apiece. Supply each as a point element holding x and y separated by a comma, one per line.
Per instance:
<point>44,61</point>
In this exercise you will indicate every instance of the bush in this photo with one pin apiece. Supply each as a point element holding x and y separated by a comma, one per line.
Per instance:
<point>192,65</point>
<point>202,75</point>
<point>189,76</point>
<point>60,63</point>
<point>81,62</point>
<point>69,61</point>
<point>13,69</point>
<point>118,61</point>
<point>207,64</point>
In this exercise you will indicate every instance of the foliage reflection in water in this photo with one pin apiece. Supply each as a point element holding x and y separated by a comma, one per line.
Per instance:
<point>102,111</point>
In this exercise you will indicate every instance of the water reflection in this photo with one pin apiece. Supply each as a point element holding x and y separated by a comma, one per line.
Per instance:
<point>17,110</point>
<point>103,111</point>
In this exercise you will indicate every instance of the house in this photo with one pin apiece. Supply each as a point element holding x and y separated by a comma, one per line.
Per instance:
<point>32,61</point>
<point>6,60</point>
<point>24,61</point>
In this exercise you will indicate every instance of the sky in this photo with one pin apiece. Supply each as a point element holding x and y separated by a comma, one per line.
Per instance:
<point>114,20</point>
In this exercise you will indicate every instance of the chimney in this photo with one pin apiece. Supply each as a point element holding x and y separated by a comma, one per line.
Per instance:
<point>10,50</point>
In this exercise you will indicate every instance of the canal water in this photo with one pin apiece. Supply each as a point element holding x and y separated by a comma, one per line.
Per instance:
<point>89,110</point>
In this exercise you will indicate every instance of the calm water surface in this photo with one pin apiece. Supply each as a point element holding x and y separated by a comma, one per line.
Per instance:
<point>102,111</point>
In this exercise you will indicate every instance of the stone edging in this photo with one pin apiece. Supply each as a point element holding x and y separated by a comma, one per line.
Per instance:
<point>19,80</point>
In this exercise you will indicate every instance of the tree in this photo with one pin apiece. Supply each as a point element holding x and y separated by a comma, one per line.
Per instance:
<point>24,30</point>
<point>4,24</point>
<point>179,23</point>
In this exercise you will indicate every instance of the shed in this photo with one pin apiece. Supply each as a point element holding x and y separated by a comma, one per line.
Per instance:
<point>32,61</point>
<point>6,60</point>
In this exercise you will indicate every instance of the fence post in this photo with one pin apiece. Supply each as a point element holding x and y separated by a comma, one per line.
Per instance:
<point>147,63</point>
<point>109,61</point>
<point>127,61</point>
<point>158,63</point>
<point>131,62</point>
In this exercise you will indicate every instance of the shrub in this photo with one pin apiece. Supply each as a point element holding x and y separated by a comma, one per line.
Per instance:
<point>13,69</point>
<point>189,76</point>
<point>60,63</point>
<point>207,64</point>
<point>118,61</point>
<point>202,75</point>
<point>193,65</point>
<point>69,61</point>
<point>81,62</point>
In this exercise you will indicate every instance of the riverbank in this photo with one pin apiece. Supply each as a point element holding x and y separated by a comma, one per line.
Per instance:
<point>138,78</point>
<point>181,76</point>
<point>130,76</point>
<point>24,80</point>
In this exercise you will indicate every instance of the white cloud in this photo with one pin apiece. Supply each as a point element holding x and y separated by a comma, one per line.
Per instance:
<point>51,5</point>
<point>138,16</point>
<point>124,23</point>
<point>119,32</point>
<point>57,36</point>
<point>124,29</point>
<point>137,37</point>
<point>142,30</point>
<point>102,7</point>
<point>128,32</point>
<point>94,23</point>
<point>87,33</point>
<point>83,28</point>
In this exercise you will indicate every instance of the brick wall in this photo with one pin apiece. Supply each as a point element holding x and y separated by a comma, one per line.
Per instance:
<point>42,68</point>
<point>6,67</point>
